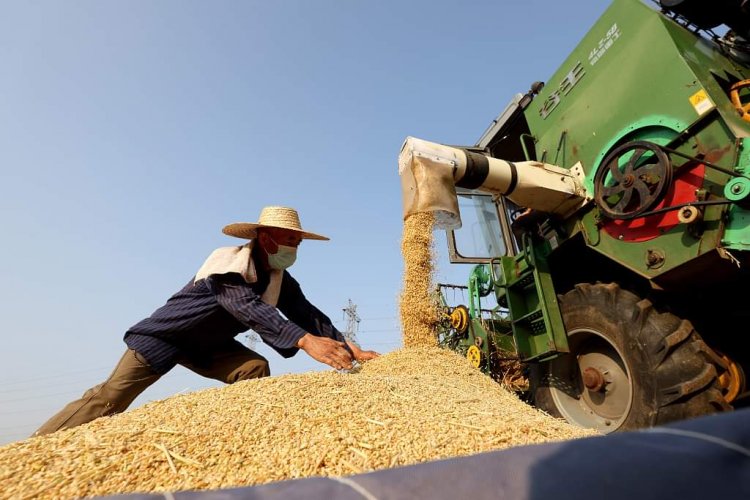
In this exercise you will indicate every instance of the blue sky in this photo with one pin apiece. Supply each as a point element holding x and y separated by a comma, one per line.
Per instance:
<point>132,132</point>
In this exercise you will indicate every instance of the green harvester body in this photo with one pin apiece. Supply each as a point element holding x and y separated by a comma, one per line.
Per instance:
<point>640,75</point>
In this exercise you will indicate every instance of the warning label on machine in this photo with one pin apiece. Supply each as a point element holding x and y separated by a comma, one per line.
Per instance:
<point>701,102</point>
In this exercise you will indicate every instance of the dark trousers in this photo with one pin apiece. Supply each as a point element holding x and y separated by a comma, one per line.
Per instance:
<point>133,375</point>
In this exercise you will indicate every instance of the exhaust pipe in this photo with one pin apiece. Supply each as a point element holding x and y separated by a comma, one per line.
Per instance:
<point>430,173</point>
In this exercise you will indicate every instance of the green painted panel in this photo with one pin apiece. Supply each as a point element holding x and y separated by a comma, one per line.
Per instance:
<point>629,69</point>
<point>638,75</point>
<point>737,236</point>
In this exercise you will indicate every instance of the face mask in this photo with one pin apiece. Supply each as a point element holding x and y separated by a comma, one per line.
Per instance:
<point>283,258</point>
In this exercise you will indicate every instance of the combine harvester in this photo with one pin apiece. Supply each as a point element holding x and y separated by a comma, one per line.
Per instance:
<point>613,207</point>
<point>612,210</point>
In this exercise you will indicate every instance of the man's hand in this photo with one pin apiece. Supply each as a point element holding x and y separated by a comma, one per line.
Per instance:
<point>361,355</point>
<point>325,350</point>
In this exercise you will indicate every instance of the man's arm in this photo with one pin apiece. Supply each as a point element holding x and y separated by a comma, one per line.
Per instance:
<point>241,301</point>
<point>296,307</point>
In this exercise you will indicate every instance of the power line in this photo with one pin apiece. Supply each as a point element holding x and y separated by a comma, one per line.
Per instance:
<point>56,376</point>
<point>168,377</point>
<point>354,320</point>
<point>10,427</point>
<point>41,396</point>
<point>15,412</point>
<point>28,389</point>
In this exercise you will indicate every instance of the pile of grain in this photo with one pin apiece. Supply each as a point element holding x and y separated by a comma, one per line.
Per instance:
<point>416,404</point>
<point>405,407</point>
<point>418,312</point>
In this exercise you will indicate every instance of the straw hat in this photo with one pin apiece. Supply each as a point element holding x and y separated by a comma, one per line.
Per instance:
<point>279,217</point>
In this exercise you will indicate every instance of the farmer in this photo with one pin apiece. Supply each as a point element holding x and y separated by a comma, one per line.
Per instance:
<point>236,288</point>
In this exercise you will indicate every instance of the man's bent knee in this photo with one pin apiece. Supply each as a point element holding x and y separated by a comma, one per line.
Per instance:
<point>255,368</point>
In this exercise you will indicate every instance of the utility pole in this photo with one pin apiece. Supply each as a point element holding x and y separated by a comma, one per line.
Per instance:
<point>251,340</point>
<point>352,322</point>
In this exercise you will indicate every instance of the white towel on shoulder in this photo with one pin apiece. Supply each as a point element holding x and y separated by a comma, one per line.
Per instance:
<point>229,260</point>
<point>239,260</point>
<point>271,295</point>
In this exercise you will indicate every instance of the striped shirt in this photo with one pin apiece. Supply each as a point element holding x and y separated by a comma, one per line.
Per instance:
<point>204,317</point>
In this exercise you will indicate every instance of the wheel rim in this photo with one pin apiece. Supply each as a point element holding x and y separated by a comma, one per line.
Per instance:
<point>460,319</point>
<point>474,355</point>
<point>592,386</point>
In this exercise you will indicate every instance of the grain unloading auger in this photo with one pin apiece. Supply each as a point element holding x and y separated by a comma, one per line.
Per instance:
<point>430,173</point>
<point>612,208</point>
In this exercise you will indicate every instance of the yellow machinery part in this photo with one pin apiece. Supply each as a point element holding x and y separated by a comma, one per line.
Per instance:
<point>734,95</point>
<point>731,380</point>
<point>474,355</point>
<point>460,319</point>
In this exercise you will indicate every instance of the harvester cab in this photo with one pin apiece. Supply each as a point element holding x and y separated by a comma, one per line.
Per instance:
<point>615,215</point>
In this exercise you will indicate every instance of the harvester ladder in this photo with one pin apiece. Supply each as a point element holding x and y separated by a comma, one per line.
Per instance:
<point>529,295</point>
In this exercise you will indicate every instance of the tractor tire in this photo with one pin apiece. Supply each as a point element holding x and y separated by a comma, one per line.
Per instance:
<point>629,366</point>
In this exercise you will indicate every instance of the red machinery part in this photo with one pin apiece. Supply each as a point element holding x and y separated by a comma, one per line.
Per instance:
<point>649,227</point>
